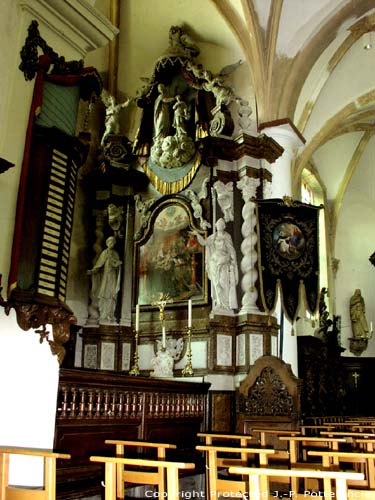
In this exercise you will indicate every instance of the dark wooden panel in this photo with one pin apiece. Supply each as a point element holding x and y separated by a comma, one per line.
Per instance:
<point>95,405</point>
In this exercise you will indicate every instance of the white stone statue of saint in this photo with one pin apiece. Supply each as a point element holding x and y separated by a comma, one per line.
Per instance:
<point>112,114</point>
<point>180,116</point>
<point>162,113</point>
<point>106,275</point>
<point>221,265</point>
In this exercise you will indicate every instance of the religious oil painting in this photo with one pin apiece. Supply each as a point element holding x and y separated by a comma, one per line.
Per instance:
<point>170,260</point>
<point>288,240</point>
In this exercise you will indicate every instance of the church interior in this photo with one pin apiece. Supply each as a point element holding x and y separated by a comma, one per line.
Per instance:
<point>177,183</point>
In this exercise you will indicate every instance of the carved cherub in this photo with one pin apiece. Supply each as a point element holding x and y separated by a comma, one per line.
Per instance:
<point>112,114</point>
<point>195,203</point>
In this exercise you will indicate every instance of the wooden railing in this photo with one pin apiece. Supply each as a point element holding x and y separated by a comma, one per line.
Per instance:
<point>94,406</point>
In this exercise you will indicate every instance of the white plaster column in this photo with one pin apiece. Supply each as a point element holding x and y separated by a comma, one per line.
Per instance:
<point>248,186</point>
<point>285,134</point>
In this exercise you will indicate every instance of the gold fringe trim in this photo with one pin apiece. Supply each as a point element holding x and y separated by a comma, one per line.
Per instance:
<point>174,187</point>
<point>11,287</point>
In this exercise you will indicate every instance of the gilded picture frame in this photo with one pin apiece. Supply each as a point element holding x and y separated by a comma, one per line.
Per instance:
<point>169,259</point>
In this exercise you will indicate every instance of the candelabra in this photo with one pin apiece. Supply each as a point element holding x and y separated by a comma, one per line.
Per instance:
<point>188,370</point>
<point>135,368</point>
<point>163,361</point>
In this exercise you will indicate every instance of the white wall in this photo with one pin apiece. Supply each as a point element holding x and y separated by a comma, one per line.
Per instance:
<point>28,370</point>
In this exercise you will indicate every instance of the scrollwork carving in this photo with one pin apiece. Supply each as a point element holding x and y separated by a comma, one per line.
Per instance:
<point>268,396</point>
<point>37,316</point>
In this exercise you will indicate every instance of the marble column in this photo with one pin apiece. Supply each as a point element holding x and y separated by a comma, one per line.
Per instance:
<point>285,133</point>
<point>248,186</point>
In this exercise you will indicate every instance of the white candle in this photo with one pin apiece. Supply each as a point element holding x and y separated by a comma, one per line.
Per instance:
<point>164,340</point>
<point>189,313</point>
<point>137,318</point>
<point>371,327</point>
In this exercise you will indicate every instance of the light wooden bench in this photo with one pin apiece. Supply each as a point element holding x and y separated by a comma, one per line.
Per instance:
<point>364,461</point>
<point>48,492</point>
<point>258,480</point>
<point>243,440</point>
<point>347,434</point>
<point>306,443</point>
<point>265,434</point>
<point>218,486</point>
<point>171,468</point>
<point>155,478</point>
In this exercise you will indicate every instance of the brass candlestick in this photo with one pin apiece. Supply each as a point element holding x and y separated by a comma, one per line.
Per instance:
<point>135,368</point>
<point>188,370</point>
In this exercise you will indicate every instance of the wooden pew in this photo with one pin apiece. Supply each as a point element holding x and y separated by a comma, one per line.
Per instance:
<point>258,480</point>
<point>155,478</point>
<point>217,439</point>
<point>266,434</point>
<point>365,460</point>
<point>305,442</point>
<point>8,492</point>
<point>222,487</point>
<point>172,469</point>
<point>308,442</point>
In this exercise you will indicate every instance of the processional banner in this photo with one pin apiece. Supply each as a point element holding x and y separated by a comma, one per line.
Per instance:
<point>288,254</point>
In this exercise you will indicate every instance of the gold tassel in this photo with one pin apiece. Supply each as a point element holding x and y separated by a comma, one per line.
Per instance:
<point>292,332</point>
<point>269,322</point>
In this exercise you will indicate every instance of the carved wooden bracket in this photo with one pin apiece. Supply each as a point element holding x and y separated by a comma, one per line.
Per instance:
<point>358,345</point>
<point>37,316</point>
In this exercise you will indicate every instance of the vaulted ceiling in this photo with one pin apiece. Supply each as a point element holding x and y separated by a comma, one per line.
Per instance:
<point>303,60</point>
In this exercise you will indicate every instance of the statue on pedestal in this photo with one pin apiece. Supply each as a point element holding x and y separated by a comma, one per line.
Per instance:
<point>106,281</point>
<point>112,114</point>
<point>221,265</point>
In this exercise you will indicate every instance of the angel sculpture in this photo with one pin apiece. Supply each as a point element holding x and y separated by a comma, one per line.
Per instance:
<point>195,203</point>
<point>224,193</point>
<point>215,83</point>
<point>143,207</point>
<point>112,114</point>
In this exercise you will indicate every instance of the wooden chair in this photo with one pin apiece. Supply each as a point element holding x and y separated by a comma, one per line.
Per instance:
<point>219,486</point>
<point>172,469</point>
<point>258,480</point>
<point>155,478</point>
<point>48,492</point>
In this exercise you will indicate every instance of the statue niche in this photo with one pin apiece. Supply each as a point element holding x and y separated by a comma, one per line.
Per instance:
<point>182,103</point>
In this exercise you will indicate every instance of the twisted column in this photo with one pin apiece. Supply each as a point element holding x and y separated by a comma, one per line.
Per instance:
<point>248,186</point>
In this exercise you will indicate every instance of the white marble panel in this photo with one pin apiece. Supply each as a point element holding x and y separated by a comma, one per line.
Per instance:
<point>107,361</point>
<point>125,362</point>
<point>223,350</point>
<point>199,356</point>
<point>240,349</point>
<point>146,354</point>
<point>91,356</point>
<point>256,347</point>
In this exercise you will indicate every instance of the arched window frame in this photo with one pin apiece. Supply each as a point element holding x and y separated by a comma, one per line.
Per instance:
<point>314,193</point>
